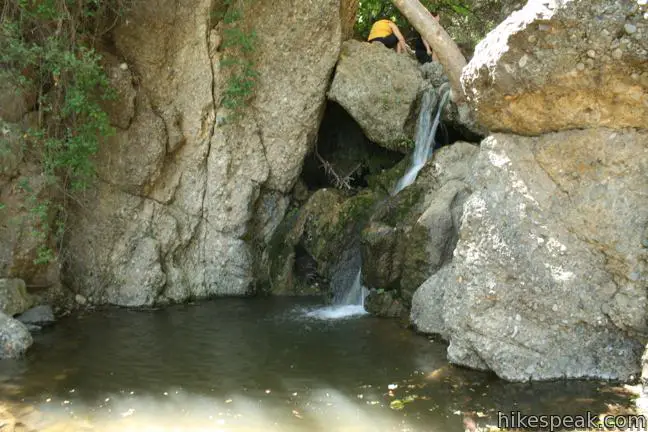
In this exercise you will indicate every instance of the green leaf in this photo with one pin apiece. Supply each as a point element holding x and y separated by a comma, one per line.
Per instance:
<point>397,404</point>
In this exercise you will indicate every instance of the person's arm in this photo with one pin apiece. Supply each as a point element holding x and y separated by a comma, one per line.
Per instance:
<point>397,32</point>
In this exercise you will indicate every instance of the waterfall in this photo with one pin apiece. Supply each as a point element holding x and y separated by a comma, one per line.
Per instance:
<point>354,296</point>
<point>349,300</point>
<point>425,132</point>
<point>346,305</point>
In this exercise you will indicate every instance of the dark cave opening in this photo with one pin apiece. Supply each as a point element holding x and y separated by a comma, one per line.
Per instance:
<point>343,156</point>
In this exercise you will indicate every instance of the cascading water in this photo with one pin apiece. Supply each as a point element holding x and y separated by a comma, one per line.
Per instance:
<point>355,296</point>
<point>350,300</point>
<point>348,304</point>
<point>426,129</point>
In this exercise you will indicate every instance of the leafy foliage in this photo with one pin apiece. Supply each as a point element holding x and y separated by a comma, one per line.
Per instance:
<point>239,45</point>
<point>372,10</point>
<point>47,54</point>
<point>467,21</point>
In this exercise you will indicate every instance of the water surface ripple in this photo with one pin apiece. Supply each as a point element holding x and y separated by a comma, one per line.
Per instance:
<point>263,364</point>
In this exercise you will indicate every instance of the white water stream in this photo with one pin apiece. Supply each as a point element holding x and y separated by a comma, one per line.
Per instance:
<point>351,303</point>
<point>426,129</point>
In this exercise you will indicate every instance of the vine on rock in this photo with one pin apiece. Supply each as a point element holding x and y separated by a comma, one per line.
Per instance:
<point>47,58</point>
<point>239,45</point>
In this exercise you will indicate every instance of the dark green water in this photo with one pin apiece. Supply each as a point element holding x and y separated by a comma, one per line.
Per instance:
<point>260,364</point>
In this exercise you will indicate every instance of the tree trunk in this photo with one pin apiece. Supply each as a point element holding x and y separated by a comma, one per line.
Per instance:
<point>440,41</point>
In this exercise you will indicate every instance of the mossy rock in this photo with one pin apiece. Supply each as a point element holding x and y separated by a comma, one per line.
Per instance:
<point>14,298</point>
<point>416,266</point>
<point>402,209</point>
<point>330,222</point>
<point>385,304</point>
<point>281,256</point>
<point>324,226</point>
<point>384,181</point>
<point>382,256</point>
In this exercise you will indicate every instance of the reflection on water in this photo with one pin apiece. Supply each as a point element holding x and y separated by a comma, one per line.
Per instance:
<point>263,364</point>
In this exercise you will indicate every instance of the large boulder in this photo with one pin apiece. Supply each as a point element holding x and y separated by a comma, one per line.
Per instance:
<point>14,337</point>
<point>170,217</point>
<point>563,64</point>
<point>548,278</point>
<point>14,298</point>
<point>379,88</point>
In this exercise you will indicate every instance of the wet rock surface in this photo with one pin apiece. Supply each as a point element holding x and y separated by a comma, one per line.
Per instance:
<point>411,235</point>
<point>38,316</point>
<point>320,240</point>
<point>385,304</point>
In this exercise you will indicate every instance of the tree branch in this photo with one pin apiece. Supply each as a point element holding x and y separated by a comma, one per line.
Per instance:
<point>446,49</point>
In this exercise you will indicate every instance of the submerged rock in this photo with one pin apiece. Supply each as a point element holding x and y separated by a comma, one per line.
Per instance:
<point>39,316</point>
<point>548,278</point>
<point>559,65</point>
<point>379,88</point>
<point>14,337</point>
<point>14,298</point>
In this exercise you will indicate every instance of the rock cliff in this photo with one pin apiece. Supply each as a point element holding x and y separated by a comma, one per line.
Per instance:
<point>170,218</point>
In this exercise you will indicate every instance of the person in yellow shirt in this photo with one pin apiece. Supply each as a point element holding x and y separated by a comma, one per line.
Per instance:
<point>387,33</point>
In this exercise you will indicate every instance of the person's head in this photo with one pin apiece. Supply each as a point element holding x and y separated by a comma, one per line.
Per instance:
<point>381,17</point>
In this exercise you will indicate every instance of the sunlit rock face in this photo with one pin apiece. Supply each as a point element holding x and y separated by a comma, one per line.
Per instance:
<point>548,278</point>
<point>563,64</point>
<point>468,29</point>
<point>178,185</point>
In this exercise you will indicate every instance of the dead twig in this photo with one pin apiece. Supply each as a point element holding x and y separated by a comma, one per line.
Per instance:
<point>342,182</point>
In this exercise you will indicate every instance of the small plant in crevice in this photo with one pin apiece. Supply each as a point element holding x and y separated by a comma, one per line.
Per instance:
<point>239,45</point>
<point>47,56</point>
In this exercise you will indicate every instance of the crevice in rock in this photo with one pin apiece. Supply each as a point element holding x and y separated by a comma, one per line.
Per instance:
<point>121,189</point>
<point>343,156</point>
<point>211,131</point>
<point>550,175</point>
